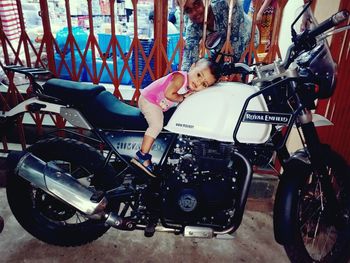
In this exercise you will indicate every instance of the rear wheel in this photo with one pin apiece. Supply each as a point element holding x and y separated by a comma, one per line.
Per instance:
<point>322,231</point>
<point>47,218</point>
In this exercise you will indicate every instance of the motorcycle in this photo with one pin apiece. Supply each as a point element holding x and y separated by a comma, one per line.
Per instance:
<point>69,191</point>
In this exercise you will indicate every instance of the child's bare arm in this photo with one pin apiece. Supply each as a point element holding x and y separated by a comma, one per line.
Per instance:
<point>174,85</point>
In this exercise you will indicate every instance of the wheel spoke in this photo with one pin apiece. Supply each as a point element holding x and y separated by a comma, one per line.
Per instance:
<point>313,247</point>
<point>318,237</point>
<point>78,220</point>
<point>322,239</point>
<point>323,250</point>
<point>310,206</point>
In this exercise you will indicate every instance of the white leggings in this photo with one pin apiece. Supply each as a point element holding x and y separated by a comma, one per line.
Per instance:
<point>153,115</point>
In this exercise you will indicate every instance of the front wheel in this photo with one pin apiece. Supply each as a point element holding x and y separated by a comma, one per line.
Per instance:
<point>322,229</point>
<point>47,218</point>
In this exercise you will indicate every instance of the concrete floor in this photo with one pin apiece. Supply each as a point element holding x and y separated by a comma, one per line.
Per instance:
<point>253,242</point>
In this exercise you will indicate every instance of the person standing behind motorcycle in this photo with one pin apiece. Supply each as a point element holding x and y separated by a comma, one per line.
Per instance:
<point>165,93</point>
<point>217,20</point>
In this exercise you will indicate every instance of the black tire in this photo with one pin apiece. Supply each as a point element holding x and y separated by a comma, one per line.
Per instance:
<point>320,235</point>
<point>47,218</point>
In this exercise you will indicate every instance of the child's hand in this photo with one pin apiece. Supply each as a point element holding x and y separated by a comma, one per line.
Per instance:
<point>164,104</point>
<point>259,16</point>
<point>189,93</point>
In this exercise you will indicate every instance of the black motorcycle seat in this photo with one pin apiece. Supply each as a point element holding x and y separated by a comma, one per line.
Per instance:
<point>71,92</point>
<point>101,108</point>
<point>108,112</point>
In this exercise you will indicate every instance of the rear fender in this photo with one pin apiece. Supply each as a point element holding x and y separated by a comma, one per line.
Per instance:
<point>285,208</point>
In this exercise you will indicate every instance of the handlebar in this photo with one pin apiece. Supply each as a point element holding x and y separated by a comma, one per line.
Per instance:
<point>307,40</point>
<point>301,43</point>
<point>334,20</point>
<point>228,68</point>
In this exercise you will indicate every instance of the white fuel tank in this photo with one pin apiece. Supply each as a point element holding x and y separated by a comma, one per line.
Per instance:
<point>213,114</point>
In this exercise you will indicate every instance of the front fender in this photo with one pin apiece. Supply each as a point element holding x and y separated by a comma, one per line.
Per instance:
<point>286,199</point>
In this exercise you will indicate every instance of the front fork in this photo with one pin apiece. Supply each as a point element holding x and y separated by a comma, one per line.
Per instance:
<point>318,157</point>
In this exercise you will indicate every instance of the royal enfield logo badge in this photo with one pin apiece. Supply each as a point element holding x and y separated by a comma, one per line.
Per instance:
<point>187,202</point>
<point>267,117</point>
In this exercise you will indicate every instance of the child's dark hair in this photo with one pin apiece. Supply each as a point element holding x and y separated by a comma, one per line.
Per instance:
<point>213,66</point>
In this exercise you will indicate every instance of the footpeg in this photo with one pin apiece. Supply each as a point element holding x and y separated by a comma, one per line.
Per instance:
<point>120,223</point>
<point>141,175</point>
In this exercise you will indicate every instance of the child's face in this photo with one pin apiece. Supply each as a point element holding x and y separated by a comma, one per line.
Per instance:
<point>200,77</point>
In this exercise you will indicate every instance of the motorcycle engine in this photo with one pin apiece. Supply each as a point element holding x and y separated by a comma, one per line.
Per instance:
<point>202,183</point>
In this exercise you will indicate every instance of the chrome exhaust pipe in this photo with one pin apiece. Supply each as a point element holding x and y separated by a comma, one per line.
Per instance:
<point>57,183</point>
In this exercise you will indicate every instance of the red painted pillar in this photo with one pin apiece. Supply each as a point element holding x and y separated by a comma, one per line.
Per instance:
<point>160,35</point>
<point>336,108</point>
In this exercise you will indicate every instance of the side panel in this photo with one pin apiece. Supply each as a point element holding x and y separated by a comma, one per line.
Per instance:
<point>213,114</point>
<point>127,143</point>
<point>22,107</point>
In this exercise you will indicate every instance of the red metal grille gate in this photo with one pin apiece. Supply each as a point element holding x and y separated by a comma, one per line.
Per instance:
<point>21,52</point>
<point>335,109</point>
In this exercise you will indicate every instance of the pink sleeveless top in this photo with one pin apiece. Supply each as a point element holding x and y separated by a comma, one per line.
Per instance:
<point>155,92</point>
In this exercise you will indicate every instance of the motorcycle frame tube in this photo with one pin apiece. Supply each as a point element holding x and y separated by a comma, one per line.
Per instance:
<point>101,136</point>
<point>128,142</point>
<point>243,198</point>
<point>280,83</point>
<point>279,140</point>
<point>112,150</point>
